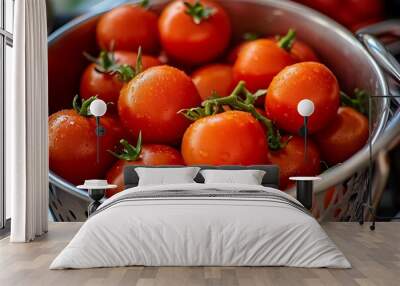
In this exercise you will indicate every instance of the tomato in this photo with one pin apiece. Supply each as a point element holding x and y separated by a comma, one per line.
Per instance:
<point>291,160</point>
<point>258,62</point>
<point>150,102</point>
<point>213,78</point>
<point>355,27</point>
<point>234,53</point>
<point>307,80</point>
<point>345,135</point>
<point>107,86</point>
<point>72,145</point>
<point>261,111</point>
<point>329,7</point>
<point>150,155</point>
<point>127,27</point>
<point>104,85</point>
<point>228,138</point>
<point>194,35</point>
<point>126,57</point>
<point>349,12</point>
<point>358,11</point>
<point>303,52</point>
<point>300,52</point>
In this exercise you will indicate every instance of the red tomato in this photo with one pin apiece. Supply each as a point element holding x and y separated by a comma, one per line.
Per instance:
<point>258,62</point>
<point>127,27</point>
<point>261,111</point>
<point>228,138</point>
<point>348,12</point>
<point>213,78</point>
<point>193,43</point>
<point>358,11</point>
<point>129,58</point>
<point>150,102</point>
<point>303,53</point>
<point>345,135</point>
<point>355,27</point>
<point>300,51</point>
<point>151,155</point>
<point>329,7</point>
<point>106,86</point>
<point>72,146</point>
<point>307,80</point>
<point>291,160</point>
<point>234,53</point>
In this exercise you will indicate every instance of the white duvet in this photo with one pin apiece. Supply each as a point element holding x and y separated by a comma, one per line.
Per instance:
<point>203,231</point>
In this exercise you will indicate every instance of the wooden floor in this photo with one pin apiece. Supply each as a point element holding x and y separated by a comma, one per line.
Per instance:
<point>375,257</point>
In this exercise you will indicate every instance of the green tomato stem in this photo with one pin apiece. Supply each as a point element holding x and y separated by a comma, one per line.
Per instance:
<point>128,152</point>
<point>359,102</point>
<point>234,101</point>
<point>198,11</point>
<point>107,64</point>
<point>287,41</point>
<point>82,107</point>
<point>144,3</point>
<point>249,36</point>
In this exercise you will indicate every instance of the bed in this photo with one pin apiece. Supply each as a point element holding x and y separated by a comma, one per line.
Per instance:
<point>201,224</point>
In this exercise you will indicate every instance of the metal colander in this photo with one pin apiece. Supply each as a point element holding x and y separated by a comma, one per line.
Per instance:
<point>335,45</point>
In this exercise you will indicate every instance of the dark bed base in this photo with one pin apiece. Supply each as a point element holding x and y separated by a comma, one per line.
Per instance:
<point>271,177</point>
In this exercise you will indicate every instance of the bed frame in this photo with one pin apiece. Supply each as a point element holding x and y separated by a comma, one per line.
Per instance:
<point>271,177</point>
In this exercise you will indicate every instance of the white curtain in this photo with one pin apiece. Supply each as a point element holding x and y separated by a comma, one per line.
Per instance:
<point>26,123</point>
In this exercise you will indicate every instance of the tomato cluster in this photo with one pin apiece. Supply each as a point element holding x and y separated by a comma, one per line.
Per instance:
<point>354,14</point>
<point>237,107</point>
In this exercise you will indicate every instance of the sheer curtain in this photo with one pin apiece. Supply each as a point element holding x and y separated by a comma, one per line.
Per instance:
<point>26,123</point>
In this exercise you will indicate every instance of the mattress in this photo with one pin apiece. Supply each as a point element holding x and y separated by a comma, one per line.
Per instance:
<point>201,225</point>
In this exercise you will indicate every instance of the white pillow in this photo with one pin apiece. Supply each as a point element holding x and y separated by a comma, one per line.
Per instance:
<point>248,177</point>
<point>164,176</point>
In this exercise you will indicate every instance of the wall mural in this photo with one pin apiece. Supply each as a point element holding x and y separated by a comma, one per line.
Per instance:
<point>183,86</point>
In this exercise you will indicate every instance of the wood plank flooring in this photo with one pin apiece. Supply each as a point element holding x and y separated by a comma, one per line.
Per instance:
<point>375,257</point>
